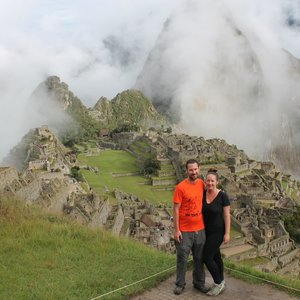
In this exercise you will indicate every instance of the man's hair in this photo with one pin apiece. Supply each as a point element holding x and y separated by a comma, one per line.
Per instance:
<point>191,161</point>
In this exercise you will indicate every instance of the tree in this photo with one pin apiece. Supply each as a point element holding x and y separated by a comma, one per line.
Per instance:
<point>75,173</point>
<point>292,224</point>
<point>126,128</point>
<point>151,166</point>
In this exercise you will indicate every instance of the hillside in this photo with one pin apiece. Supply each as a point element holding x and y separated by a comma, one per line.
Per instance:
<point>74,122</point>
<point>217,82</point>
<point>40,148</point>
<point>44,256</point>
<point>109,185</point>
<point>128,107</point>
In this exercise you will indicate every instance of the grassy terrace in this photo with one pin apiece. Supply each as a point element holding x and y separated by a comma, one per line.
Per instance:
<point>43,256</point>
<point>115,161</point>
<point>142,148</point>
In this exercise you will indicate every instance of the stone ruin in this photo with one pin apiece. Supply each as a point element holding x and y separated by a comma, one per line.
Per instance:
<point>40,150</point>
<point>256,189</point>
<point>150,224</point>
<point>264,230</point>
<point>131,217</point>
<point>260,183</point>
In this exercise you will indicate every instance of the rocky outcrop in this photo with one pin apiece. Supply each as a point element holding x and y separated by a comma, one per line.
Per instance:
<point>56,90</point>
<point>129,107</point>
<point>40,149</point>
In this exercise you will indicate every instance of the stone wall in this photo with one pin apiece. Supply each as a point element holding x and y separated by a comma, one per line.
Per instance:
<point>7,176</point>
<point>125,138</point>
<point>108,144</point>
<point>245,255</point>
<point>280,245</point>
<point>162,181</point>
<point>288,258</point>
<point>31,192</point>
<point>118,221</point>
<point>100,216</point>
<point>291,269</point>
<point>39,165</point>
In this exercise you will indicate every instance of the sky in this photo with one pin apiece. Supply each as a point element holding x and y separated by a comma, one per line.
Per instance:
<point>99,47</point>
<point>228,68</point>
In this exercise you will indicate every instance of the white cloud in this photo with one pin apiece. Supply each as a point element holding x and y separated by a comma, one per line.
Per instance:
<point>65,38</point>
<point>229,84</point>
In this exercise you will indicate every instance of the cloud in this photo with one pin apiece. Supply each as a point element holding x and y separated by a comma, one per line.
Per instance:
<point>221,61</point>
<point>96,47</point>
<point>224,65</point>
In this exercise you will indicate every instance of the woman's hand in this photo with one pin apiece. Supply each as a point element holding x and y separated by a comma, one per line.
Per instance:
<point>226,238</point>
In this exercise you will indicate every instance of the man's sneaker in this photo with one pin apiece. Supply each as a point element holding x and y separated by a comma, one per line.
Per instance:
<point>202,288</point>
<point>178,290</point>
<point>217,289</point>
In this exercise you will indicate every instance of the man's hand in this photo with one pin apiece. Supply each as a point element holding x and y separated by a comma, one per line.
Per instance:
<point>177,236</point>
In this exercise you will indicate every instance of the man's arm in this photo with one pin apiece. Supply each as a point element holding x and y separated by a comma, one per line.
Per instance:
<point>177,232</point>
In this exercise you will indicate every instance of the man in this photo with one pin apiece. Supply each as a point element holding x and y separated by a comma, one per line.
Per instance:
<point>189,233</point>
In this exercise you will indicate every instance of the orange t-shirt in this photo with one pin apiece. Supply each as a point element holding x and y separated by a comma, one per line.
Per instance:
<point>190,196</point>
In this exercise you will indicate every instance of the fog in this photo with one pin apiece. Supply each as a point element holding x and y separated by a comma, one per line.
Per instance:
<point>100,47</point>
<point>96,47</point>
<point>229,70</point>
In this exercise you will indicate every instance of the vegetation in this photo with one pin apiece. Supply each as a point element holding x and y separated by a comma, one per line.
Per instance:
<point>246,272</point>
<point>130,110</point>
<point>292,224</point>
<point>133,107</point>
<point>75,173</point>
<point>234,233</point>
<point>43,256</point>
<point>111,164</point>
<point>126,127</point>
<point>84,128</point>
<point>151,166</point>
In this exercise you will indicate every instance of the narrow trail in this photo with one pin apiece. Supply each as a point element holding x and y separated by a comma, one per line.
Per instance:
<point>236,289</point>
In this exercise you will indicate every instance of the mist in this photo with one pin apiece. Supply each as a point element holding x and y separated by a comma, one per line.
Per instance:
<point>224,63</point>
<point>96,47</point>
<point>230,71</point>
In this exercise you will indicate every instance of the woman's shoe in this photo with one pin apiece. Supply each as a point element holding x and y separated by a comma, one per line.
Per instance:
<point>217,289</point>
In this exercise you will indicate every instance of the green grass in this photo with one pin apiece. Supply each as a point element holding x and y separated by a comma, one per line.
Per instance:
<point>116,161</point>
<point>46,257</point>
<point>252,262</point>
<point>167,168</point>
<point>234,233</point>
<point>247,273</point>
<point>141,151</point>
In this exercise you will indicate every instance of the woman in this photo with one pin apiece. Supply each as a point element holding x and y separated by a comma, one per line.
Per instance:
<point>216,213</point>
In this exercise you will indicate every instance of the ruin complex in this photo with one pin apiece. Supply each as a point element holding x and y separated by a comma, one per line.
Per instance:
<point>259,193</point>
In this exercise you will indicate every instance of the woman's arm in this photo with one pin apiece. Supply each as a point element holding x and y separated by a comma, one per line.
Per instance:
<point>226,214</point>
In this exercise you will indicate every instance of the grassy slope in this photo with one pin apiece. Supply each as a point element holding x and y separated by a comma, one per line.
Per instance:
<point>112,161</point>
<point>245,271</point>
<point>45,257</point>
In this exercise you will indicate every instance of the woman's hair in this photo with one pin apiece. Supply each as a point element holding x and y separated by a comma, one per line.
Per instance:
<point>213,172</point>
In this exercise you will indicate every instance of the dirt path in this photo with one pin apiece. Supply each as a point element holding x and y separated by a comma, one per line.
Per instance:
<point>236,289</point>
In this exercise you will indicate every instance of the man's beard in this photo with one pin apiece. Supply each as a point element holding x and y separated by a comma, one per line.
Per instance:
<point>193,177</point>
